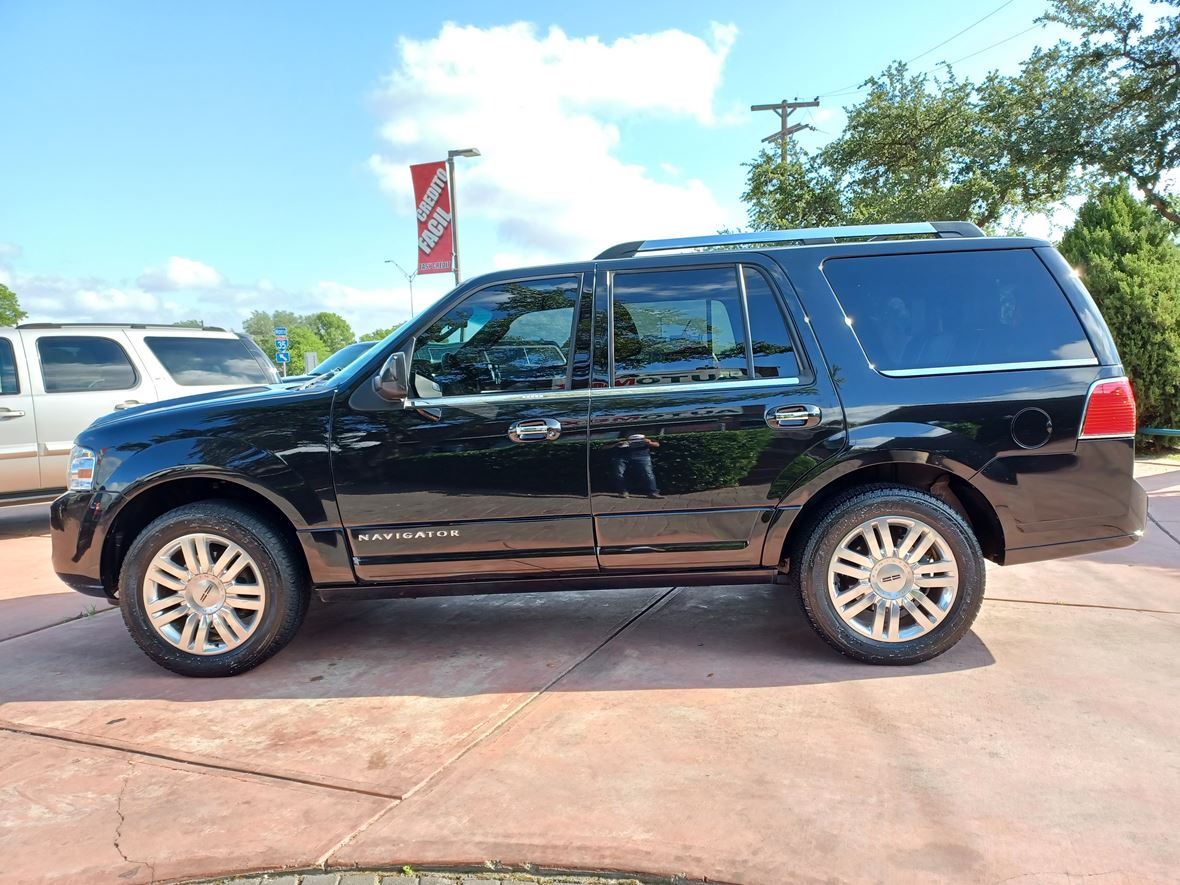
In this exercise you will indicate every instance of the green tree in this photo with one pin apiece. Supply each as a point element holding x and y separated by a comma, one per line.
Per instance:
<point>10,312</point>
<point>260,325</point>
<point>1130,78</point>
<point>917,147</point>
<point>331,328</point>
<point>1131,264</point>
<point>380,334</point>
<point>302,340</point>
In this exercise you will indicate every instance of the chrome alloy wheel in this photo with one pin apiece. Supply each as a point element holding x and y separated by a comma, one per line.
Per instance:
<point>893,578</point>
<point>204,594</point>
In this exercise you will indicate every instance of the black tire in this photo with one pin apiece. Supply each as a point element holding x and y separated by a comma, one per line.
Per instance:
<point>813,553</point>
<point>280,570</point>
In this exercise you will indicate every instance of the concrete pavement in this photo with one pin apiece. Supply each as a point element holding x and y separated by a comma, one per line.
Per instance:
<point>704,732</point>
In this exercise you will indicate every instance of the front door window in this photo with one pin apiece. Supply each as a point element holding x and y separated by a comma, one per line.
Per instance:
<point>510,337</point>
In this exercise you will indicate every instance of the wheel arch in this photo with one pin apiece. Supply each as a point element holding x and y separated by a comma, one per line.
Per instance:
<point>150,501</point>
<point>947,480</point>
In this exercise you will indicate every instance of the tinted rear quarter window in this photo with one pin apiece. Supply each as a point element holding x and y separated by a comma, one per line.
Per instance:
<point>71,364</point>
<point>193,362</point>
<point>9,384</point>
<point>943,310</point>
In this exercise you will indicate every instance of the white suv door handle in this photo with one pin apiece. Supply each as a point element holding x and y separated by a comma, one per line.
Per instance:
<point>11,413</point>
<point>535,430</point>
<point>127,404</point>
<point>794,416</point>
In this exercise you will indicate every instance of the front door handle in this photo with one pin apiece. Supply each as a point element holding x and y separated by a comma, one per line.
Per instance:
<point>793,416</point>
<point>535,430</point>
<point>11,413</point>
<point>127,404</point>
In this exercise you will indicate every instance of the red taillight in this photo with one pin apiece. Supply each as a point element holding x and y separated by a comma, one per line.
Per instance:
<point>1110,409</point>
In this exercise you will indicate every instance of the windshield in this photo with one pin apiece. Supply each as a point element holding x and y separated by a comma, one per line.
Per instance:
<point>342,357</point>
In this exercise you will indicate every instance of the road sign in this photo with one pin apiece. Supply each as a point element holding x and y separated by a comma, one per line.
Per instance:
<point>280,331</point>
<point>283,356</point>
<point>282,344</point>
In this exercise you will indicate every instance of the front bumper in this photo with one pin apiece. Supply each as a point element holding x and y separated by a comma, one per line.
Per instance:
<point>77,529</point>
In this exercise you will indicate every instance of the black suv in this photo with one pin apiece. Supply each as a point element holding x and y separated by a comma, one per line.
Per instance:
<point>863,416</point>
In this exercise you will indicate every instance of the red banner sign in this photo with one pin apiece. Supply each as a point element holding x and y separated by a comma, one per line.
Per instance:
<point>432,191</point>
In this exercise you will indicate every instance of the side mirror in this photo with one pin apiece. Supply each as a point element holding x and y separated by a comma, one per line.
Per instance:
<point>392,382</point>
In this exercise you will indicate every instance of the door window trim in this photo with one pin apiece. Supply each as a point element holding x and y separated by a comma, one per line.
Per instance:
<point>130,362</point>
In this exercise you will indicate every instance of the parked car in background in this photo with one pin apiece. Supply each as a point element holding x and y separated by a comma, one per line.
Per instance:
<point>335,362</point>
<point>56,378</point>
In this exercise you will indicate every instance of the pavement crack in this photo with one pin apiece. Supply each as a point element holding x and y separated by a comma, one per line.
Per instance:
<point>1160,526</point>
<point>78,617</point>
<point>500,725</point>
<point>1115,608</point>
<point>123,819</point>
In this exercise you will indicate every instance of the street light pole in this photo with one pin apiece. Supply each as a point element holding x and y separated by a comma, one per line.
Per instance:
<point>409,279</point>
<point>465,152</point>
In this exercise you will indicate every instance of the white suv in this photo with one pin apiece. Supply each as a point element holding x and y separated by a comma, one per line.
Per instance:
<point>57,378</point>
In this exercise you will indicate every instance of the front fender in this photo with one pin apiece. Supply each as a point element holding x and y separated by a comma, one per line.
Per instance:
<point>223,458</point>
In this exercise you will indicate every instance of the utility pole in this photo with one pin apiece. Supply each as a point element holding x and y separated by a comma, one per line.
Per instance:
<point>784,109</point>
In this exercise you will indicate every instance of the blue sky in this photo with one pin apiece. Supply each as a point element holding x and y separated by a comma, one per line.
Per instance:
<point>163,160</point>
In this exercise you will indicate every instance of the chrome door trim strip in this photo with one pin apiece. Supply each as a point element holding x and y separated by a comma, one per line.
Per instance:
<point>989,367</point>
<point>546,395</point>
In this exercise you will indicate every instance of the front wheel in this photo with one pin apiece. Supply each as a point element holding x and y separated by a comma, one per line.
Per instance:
<point>212,589</point>
<point>891,575</point>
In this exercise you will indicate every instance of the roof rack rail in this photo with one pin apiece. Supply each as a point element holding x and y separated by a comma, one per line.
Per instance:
<point>120,326</point>
<point>807,236</point>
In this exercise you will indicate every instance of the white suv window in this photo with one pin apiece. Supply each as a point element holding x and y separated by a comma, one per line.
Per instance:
<point>9,383</point>
<point>76,363</point>
<point>197,361</point>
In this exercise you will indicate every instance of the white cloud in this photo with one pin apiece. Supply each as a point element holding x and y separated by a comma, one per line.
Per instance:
<point>180,273</point>
<point>48,298</point>
<point>544,110</point>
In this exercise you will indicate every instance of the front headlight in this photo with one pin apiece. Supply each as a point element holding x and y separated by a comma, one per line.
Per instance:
<point>81,477</point>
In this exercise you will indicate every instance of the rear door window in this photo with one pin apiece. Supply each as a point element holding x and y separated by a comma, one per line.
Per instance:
<point>942,311</point>
<point>80,363</point>
<point>9,382</point>
<point>678,327</point>
<point>195,362</point>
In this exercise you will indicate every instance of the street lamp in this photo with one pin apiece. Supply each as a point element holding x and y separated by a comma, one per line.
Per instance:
<point>409,279</point>
<point>465,152</point>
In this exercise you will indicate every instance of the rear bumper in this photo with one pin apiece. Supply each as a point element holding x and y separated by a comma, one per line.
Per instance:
<point>1129,529</point>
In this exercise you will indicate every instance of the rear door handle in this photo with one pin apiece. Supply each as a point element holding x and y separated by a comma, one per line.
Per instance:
<point>127,404</point>
<point>794,416</point>
<point>535,430</point>
<point>11,413</point>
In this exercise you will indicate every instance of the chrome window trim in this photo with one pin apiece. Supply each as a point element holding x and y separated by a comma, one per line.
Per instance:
<point>988,367</point>
<point>630,390</point>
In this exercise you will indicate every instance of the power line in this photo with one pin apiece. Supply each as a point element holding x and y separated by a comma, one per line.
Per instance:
<point>994,45</point>
<point>961,33</point>
<point>1010,37</point>
<point>844,90</point>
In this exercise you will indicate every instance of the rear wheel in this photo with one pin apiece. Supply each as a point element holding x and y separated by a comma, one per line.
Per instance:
<point>890,575</point>
<point>212,589</point>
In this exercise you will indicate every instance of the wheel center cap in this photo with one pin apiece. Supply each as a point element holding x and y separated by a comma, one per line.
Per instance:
<point>891,578</point>
<point>205,593</point>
